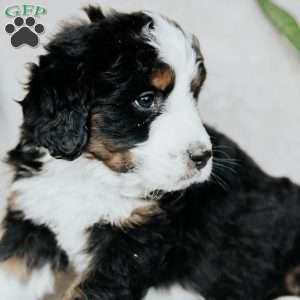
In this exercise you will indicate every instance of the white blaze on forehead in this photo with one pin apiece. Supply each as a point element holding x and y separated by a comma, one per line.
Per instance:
<point>163,158</point>
<point>174,47</point>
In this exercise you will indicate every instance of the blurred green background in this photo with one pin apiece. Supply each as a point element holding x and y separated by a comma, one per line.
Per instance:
<point>283,20</point>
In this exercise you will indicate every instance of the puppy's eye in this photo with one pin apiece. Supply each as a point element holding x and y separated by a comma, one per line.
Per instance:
<point>145,101</point>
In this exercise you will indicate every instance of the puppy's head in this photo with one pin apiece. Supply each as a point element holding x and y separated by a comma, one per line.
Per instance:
<point>123,89</point>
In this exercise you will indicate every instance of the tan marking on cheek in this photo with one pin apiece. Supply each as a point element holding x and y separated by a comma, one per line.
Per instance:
<point>162,77</point>
<point>104,150</point>
<point>119,161</point>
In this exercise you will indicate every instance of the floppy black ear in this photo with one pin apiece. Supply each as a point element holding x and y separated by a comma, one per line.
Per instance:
<point>55,112</point>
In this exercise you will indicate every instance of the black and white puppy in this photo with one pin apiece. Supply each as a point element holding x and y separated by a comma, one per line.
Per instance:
<point>112,178</point>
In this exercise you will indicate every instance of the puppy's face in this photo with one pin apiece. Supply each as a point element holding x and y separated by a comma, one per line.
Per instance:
<point>123,89</point>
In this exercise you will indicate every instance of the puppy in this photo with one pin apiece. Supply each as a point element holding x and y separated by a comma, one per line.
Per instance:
<point>114,177</point>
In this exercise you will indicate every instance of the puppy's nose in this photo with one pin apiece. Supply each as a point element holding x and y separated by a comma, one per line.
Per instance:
<point>200,157</point>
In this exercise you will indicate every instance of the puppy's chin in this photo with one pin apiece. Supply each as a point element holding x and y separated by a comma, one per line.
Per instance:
<point>190,178</point>
<point>198,177</point>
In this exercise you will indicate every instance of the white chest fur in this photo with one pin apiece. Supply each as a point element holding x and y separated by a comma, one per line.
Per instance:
<point>69,197</point>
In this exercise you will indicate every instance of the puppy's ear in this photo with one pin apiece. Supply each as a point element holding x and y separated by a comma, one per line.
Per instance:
<point>94,13</point>
<point>55,111</point>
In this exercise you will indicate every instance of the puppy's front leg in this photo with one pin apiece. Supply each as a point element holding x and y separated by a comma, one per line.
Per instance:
<point>31,262</point>
<point>123,264</point>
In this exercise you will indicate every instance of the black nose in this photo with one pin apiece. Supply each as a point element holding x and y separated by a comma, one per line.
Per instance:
<point>200,157</point>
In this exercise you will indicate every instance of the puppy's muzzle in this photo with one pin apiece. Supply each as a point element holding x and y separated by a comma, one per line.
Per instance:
<point>199,155</point>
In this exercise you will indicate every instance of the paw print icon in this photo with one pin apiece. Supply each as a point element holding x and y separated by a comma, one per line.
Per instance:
<point>24,33</point>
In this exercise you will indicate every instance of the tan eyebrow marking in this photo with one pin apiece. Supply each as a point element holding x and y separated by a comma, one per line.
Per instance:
<point>162,77</point>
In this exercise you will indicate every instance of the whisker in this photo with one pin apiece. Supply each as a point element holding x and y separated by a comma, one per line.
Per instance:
<point>221,152</point>
<point>221,179</point>
<point>222,147</point>
<point>220,166</point>
<point>227,161</point>
<point>217,180</point>
<point>224,154</point>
